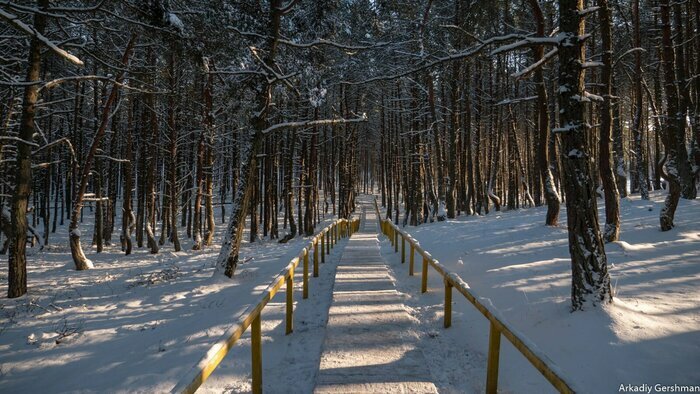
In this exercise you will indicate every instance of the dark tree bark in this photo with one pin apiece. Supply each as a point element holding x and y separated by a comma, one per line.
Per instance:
<point>172,174</point>
<point>550,192</point>
<point>590,278</point>
<point>637,129</point>
<point>17,263</point>
<point>607,176</point>
<point>128,219</point>
<point>674,122</point>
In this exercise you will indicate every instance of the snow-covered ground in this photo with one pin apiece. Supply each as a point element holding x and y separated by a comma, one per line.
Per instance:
<point>138,323</point>
<point>649,335</point>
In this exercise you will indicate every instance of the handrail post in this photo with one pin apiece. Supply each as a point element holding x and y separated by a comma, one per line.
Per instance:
<point>290,303</point>
<point>396,241</point>
<point>323,248</point>
<point>316,258</point>
<point>305,293</point>
<point>328,242</point>
<point>448,304</point>
<point>424,279</point>
<point>494,352</point>
<point>411,259</point>
<point>403,249</point>
<point>256,351</point>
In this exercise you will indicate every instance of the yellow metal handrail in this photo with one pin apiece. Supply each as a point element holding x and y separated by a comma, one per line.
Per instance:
<point>498,324</point>
<point>199,373</point>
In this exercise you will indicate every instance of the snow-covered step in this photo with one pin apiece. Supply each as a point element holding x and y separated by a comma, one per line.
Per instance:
<point>371,345</point>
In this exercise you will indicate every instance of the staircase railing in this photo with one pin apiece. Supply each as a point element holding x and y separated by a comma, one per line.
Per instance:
<point>324,241</point>
<point>498,325</point>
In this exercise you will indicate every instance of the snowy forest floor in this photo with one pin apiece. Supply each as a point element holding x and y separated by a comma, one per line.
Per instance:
<point>650,334</point>
<point>133,323</point>
<point>137,323</point>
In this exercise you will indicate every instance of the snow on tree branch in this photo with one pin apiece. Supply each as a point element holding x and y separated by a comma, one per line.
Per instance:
<point>23,27</point>
<point>320,122</point>
<point>527,42</point>
<point>533,67</point>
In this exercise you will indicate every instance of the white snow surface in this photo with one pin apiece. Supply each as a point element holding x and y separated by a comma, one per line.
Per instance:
<point>138,323</point>
<point>649,335</point>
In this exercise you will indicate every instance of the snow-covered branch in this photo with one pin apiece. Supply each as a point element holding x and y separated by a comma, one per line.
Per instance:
<point>51,10</point>
<point>516,100</point>
<point>321,41</point>
<point>58,81</point>
<point>527,42</point>
<point>308,123</point>
<point>17,139</point>
<point>23,27</point>
<point>533,67</point>
<point>288,7</point>
<point>473,51</point>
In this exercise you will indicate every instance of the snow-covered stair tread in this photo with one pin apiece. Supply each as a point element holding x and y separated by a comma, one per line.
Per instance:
<point>370,344</point>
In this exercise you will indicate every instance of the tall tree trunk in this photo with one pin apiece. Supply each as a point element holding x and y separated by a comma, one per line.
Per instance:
<point>590,278</point>
<point>128,219</point>
<point>685,171</point>
<point>607,176</point>
<point>674,121</point>
<point>550,191</point>
<point>17,263</point>
<point>151,167</point>
<point>637,130</point>
<point>209,187</point>
<point>228,257</point>
<point>173,153</point>
<point>82,262</point>
<point>288,190</point>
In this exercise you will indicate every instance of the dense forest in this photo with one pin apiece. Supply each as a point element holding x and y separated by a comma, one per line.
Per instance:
<point>156,115</point>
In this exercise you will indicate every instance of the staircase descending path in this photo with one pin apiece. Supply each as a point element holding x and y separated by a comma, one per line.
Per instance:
<point>370,344</point>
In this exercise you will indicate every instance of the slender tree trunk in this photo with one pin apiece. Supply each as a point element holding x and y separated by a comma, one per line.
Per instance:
<point>674,121</point>
<point>550,191</point>
<point>288,190</point>
<point>637,129</point>
<point>128,219</point>
<point>228,257</point>
<point>173,153</point>
<point>82,262</point>
<point>607,176</point>
<point>17,264</point>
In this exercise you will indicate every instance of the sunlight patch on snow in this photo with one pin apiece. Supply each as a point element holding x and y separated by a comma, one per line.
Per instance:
<point>633,248</point>
<point>526,246</point>
<point>534,264</point>
<point>58,360</point>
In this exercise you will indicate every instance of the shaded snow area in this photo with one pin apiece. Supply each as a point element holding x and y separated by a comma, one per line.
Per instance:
<point>137,323</point>
<point>649,335</point>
